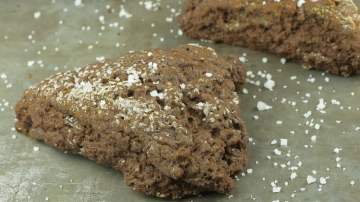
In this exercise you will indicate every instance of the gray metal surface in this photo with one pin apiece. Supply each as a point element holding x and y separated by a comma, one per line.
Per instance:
<point>28,175</point>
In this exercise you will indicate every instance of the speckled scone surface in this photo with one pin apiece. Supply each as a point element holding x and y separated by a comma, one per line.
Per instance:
<point>321,34</point>
<point>169,120</point>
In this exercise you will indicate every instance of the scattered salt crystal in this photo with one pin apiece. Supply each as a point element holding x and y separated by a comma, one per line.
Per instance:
<point>14,136</point>
<point>337,150</point>
<point>31,63</point>
<point>283,142</point>
<point>283,61</point>
<point>317,126</point>
<point>269,84</point>
<point>277,152</point>
<point>245,91</point>
<point>37,14</point>
<point>300,163</point>
<point>77,3</point>
<point>200,104</point>
<point>352,182</point>
<point>36,148</point>
<point>313,138</point>
<point>100,58</point>
<point>273,142</point>
<point>249,171</point>
<point>278,122</point>
<point>310,179</point>
<point>265,60</point>
<point>327,79</point>
<point>180,32</point>
<point>276,189</point>
<point>293,176</point>
<point>307,114</point>
<point>47,198</point>
<point>256,117</point>
<point>337,158</point>
<point>300,3</point>
<point>124,13</point>
<point>302,189</point>
<point>314,172</point>
<point>322,180</point>
<point>182,86</point>
<point>263,106</point>
<point>293,77</point>
<point>208,74</point>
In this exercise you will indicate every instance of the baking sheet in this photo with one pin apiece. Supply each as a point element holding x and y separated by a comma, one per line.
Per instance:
<point>68,35</point>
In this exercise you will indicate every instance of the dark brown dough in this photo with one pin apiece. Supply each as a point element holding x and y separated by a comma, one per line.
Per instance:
<point>169,120</point>
<point>321,34</point>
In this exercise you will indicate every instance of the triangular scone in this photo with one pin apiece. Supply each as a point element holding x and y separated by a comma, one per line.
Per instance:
<point>321,34</point>
<point>170,120</point>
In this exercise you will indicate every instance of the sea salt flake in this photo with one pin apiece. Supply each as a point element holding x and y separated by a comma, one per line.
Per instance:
<point>77,3</point>
<point>269,84</point>
<point>249,171</point>
<point>283,142</point>
<point>310,179</point>
<point>100,58</point>
<point>283,61</point>
<point>124,13</point>
<point>337,150</point>
<point>208,74</point>
<point>263,106</point>
<point>37,14</point>
<point>293,176</point>
<point>273,142</point>
<point>265,60</point>
<point>36,149</point>
<point>30,63</point>
<point>277,152</point>
<point>300,3</point>
<point>307,114</point>
<point>322,180</point>
<point>279,122</point>
<point>276,189</point>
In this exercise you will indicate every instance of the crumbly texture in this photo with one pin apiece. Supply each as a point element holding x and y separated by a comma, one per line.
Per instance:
<point>320,34</point>
<point>169,120</point>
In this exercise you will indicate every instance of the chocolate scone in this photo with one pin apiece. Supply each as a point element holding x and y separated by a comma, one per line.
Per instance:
<point>169,120</point>
<point>321,34</point>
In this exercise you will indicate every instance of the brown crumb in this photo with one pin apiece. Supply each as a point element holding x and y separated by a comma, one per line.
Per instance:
<point>18,5</point>
<point>109,10</point>
<point>118,33</point>
<point>29,75</point>
<point>159,8</point>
